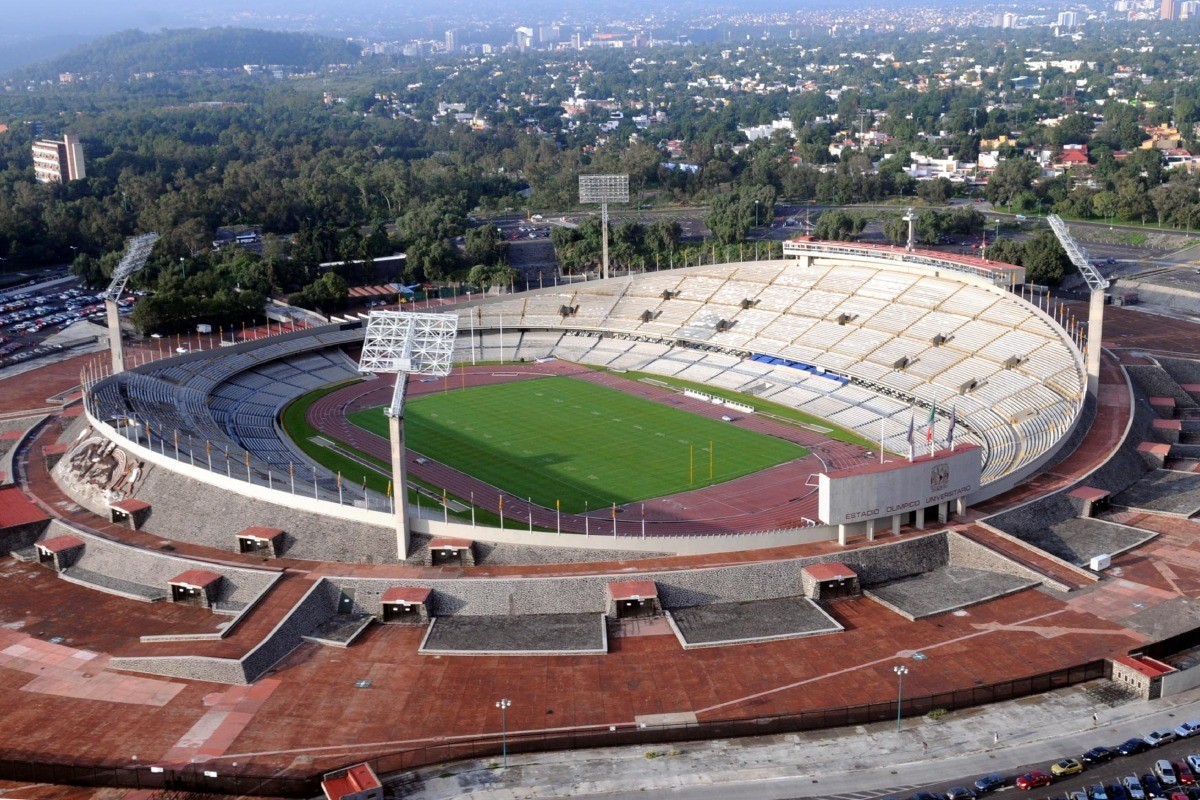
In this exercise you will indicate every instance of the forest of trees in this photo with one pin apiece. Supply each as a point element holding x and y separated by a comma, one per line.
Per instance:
<point>377,172</point>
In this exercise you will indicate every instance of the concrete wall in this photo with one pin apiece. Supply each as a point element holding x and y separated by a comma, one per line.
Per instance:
<point>676,588</point>
<point>967,553</point>
<point>240,588</point>
<point>1181,681</point>
<point>318,605</point>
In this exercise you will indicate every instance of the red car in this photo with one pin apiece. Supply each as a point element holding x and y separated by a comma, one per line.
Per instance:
<point>1184,773</point>
<point>1032,780</point>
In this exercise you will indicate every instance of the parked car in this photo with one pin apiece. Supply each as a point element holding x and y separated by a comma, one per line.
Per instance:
<point>1118,792</point>
<point>1151,785</point>
<point>1134,787</point>
<point>1098,755</point>
<point>1193,761</point>
<point>1033,780</point>
<point>990,783</point>
<point>1165,773</point>
<point>1097,792</point>
<point>1188,729</point>
<point>1067,766</point>
<point>960,793</point>
<point>1160,737</point>
<point>1131,747</point>
<point>1184,773</point>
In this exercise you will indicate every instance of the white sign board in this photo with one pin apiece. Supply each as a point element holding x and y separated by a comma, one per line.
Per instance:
<point>881,490</point>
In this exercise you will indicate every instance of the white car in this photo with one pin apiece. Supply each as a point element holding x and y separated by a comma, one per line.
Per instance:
<point>1134,787</point>
<point>1194,762</point>
<point>1188,729</point>
<point>1160,737</point>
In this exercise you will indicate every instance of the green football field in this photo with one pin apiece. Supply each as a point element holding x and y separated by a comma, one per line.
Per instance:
<point>568,440</point>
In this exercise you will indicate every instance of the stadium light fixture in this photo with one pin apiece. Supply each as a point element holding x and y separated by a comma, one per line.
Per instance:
<point>404,344</point>
<point>137,251</point>
<point>1096,283</point>
<point>604,189</point>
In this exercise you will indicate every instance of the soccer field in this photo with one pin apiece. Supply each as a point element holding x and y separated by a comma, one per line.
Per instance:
<point>568,440</point>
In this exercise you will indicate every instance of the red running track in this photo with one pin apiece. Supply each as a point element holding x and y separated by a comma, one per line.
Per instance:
<point>783,496</point>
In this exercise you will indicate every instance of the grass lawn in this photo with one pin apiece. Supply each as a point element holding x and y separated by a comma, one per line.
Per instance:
<point>295,424</point>
<point>563,439</point>
<point>786,413</point>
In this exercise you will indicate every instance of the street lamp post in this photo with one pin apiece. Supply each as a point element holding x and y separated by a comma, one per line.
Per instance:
<point>900,671</point>
<point>756,213</point>
<point>503,705</point>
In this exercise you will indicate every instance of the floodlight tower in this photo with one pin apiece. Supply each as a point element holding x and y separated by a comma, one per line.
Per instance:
<point>911,219</point>
<point>604,189</point>
<point>1097,283</point>
<point>406,344</point>
<point>137,250</point>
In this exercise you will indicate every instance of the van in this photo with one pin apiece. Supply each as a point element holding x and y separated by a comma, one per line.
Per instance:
<point>1165,773</point>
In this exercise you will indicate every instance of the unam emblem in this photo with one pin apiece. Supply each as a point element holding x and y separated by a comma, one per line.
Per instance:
<point>939,478</point>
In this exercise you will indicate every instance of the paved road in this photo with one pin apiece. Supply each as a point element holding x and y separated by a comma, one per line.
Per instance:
<point>862,763</point>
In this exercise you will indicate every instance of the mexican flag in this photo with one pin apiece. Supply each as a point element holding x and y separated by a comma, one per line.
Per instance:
<point>929,423</point>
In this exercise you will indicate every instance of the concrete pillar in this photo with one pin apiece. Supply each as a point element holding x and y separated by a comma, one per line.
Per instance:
<point>895,524</point>
<point>871,530</point>
<point>114,336</point>
<point>1095,336</point>
<point>960,506</point>
<point>920,519</point>
<point>400,480</point>
<point>843,529</point>
<point>805,260</point>
<point>943,512</point>
<point>604,238</point>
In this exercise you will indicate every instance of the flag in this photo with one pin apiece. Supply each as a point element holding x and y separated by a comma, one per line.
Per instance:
<point>389,489</point>
<point>911,416</point>
<point>950,432</point>
<point>929,423</point>
<point>501,504</point>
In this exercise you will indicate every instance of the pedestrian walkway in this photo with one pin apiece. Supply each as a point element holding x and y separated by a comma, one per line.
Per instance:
<point>859,762</point>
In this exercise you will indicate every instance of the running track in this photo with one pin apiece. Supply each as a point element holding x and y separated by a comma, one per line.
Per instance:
<point>782,496</point>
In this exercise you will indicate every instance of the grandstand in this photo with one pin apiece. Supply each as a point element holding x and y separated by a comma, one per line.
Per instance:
<point>860,346</point>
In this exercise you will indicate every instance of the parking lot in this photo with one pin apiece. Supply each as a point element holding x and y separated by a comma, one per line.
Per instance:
<point>30,314</point>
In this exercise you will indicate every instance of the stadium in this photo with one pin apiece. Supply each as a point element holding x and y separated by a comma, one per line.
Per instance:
<point>668,505</point>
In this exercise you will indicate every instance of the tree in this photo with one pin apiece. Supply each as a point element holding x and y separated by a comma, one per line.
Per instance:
<point>327,294</point>
<point>839,225</point>
<point>1011,176</point>
<point>484,245</point>
<point>1044,259</point>
<point>895,230</point>
<point>935,192</point>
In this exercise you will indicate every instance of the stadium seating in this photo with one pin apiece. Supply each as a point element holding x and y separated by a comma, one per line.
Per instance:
<point>1011,376</point>
<point>858,345</point>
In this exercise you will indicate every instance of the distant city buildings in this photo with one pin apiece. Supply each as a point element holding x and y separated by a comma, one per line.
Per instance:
<point>58,162</point>
<point>1169,10</point>
<point>1067,20</point>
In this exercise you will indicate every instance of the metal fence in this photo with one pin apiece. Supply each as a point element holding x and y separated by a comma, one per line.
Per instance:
<point>256,780</point>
